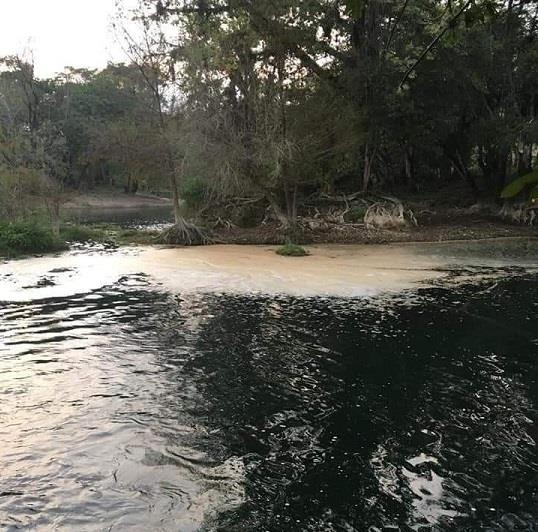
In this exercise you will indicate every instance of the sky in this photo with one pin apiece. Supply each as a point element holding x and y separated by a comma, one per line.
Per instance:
<point>60,33</point>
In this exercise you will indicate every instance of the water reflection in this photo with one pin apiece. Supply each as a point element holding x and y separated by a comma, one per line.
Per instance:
<point>96,423</point>
<point>129,408</point>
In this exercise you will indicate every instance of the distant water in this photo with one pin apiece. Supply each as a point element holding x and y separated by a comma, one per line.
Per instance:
<point>147,217</point>
<point>130,407</point>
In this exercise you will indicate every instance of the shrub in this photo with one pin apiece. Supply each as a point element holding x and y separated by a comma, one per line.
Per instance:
<point>21,238</point>
<point>193,192</point>
<point>291,250</point>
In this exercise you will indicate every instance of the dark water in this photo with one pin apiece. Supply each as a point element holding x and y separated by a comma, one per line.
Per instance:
<point>131,409</point>
<point>148,217</point>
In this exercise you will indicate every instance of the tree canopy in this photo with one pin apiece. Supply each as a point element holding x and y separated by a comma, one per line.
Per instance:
<point>279,100</point>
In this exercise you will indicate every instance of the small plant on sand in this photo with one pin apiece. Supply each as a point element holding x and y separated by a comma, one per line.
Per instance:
<point>291,250</point>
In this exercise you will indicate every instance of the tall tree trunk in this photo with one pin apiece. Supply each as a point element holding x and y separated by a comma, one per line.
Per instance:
<point>367,171</point>
<point>461,168</point>
<point>178,219</point>
<point>409,165</point>
<point>54,210</point>
<point>281,216</point>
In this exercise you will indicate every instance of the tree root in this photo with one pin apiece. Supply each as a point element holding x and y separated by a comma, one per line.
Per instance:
<point>184,233</point>
<point>389,213</point>
<point>521,213</point>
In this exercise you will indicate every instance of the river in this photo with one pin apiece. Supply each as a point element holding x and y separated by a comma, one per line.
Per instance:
<point>225,388</point>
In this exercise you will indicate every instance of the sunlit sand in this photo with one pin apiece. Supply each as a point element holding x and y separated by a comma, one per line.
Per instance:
<point>329,270</point>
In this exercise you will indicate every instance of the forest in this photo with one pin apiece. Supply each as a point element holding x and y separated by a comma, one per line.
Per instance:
<point>244,112</point>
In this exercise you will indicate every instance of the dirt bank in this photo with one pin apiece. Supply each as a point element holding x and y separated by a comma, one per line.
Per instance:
<point>436,222</point>
<point>439,227</point>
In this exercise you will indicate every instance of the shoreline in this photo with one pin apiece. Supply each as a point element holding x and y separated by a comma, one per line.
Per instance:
<point>435,222</point>
<point>458,230</point>
<point>144,244</point>
<point>331,270</point>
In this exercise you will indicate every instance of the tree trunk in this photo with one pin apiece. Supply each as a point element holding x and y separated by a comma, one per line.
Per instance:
<point>367,172</point>
<point>409,166</point>
<point>462,169</point>
<point>291,204</point>
<point>279,213</point>
<point>178,219</point>
<point>54,210</point>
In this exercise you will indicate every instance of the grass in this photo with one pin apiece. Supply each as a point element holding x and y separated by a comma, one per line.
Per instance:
<point>132,236</point>
<point>292,250</point>
<point>106,233</point>
<point>83,233</point>
<point>23,238</point>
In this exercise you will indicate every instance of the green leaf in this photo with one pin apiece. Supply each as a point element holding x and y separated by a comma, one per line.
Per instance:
<point>355,7</point>
<point>517,185</point>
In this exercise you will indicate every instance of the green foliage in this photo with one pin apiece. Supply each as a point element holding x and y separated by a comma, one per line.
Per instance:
<point>518,185</point>
<point>193,191</point>
<point>292,250</point>
<point>356,214</point>
<point>355,7</point>
<point>83,233</point>
<point>27,237</point>
<point>130,236</point>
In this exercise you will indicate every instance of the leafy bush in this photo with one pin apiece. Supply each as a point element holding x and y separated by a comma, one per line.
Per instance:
<point>291,250</point>
<point>193,192</point>
<point>21,238</point>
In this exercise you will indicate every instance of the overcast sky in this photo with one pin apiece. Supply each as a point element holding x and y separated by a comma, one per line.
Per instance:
<point>60,32</point>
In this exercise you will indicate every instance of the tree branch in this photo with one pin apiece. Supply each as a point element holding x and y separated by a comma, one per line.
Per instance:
<point>434,42</point>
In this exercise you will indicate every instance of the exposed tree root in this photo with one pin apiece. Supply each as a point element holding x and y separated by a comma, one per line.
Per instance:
<point>184,233</point>
<point>389,213</point>
<point>521,213</point>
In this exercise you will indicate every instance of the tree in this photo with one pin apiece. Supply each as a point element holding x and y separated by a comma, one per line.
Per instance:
<point>149,54</point>
<point>32,146</point>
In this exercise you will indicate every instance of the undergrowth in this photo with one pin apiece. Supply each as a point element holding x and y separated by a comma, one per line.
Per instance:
<point>20,238</point>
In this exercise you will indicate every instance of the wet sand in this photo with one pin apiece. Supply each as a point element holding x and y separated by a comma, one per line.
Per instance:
<point>329,270</point>
<point>348,271</point>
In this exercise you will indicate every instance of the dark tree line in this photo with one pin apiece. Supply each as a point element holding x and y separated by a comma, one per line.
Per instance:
<point>296,96</point>
<point>277,101</point>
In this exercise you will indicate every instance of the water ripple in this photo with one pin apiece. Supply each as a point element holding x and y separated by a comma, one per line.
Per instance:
<point>129,408</point>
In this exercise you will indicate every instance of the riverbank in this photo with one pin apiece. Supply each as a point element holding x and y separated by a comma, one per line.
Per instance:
<point>114,236</point>
<point>118,219</point>
<point>441,226</point>
<point>436,221</point>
